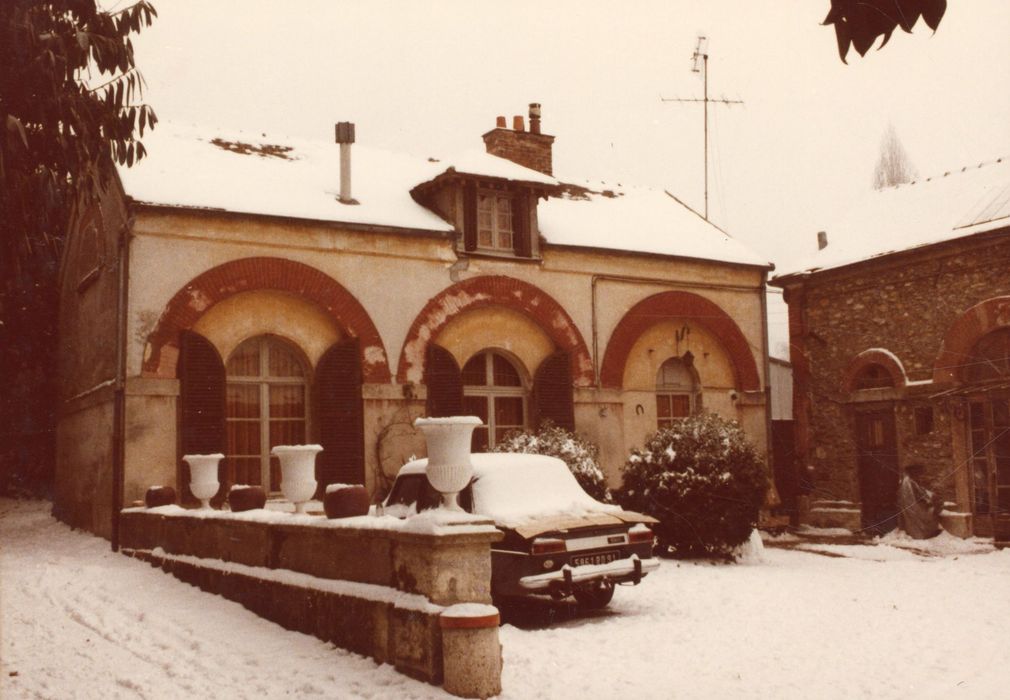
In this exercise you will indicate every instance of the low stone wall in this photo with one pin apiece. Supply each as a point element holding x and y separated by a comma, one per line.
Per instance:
<point>376,586</point>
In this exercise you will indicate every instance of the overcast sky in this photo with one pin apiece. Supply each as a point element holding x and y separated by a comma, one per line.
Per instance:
<point>430,77</point>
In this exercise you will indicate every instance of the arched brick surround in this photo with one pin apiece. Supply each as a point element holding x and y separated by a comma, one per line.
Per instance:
<point>967,330</point>
<point>875,356</point>
<point>679,305</point>
<point>493,290</point>
<point>248,274</point>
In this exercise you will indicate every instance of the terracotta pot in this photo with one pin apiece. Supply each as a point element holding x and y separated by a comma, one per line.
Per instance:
<point>346,501</point>
<point>159,496</point>
<point>246,498</point>
<point>449,468</point>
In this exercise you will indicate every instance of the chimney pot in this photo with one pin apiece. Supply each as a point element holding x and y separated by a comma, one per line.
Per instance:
<point>517,123</point>
<point>345,132</point>
<point>534,117</point>
<point>501,123</point>
<point>822,240</point>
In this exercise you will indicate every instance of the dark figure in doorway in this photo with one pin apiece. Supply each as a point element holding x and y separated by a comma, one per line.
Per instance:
<point>918,507</point>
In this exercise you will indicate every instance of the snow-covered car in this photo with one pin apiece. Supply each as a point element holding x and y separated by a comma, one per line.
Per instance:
<point>558,540</point>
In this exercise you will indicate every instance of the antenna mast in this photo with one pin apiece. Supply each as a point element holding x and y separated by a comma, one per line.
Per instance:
<point>700,65</point>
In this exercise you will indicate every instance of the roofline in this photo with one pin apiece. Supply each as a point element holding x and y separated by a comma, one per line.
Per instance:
<point>892,257</point>
<point>329,223</point>
<point>641,253</point>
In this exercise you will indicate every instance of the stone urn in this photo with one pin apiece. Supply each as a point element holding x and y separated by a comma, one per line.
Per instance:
<point>298,472</point>
<point>203,476</point>
<point>242,498</point>
<point>449,468</point>
<point>346,501</point>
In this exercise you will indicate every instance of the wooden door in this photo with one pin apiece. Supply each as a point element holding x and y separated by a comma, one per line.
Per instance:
<point>877,459</point>
<point>990,445</point>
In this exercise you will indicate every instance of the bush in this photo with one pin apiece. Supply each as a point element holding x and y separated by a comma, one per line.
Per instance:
<point>703,480</point>
<point>581,456</point>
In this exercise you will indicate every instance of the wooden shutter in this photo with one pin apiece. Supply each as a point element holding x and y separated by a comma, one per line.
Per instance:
<point>552,391</point>
<point>521,225</point>
<point>201,406</point>
<point>444,382</point>
<point>470,216</point>
<point>339,416</point>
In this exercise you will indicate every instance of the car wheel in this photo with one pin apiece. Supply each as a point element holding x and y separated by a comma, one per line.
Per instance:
<point>595,595</point>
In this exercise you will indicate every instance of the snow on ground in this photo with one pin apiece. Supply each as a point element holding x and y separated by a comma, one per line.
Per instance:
<point>79,621</point>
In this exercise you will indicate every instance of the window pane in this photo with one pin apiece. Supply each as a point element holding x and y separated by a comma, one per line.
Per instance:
<point>484,220</point>
<point>674,375</point>
<point>476,406</point>
<point>485,239</point>
<point>504,373</point>
<point>680,406</point>
<point>505,241</point>
<point>243,437</point>
<point>245,470</point>
<point>245,361</point>
<point>485,204</point>
<point>663,409</point>
<point>243,400</point>
<point>287,401</point>
<point>287,432</point>
<point>284,361</point>
<point>475,371</point>
<point>508,413</point>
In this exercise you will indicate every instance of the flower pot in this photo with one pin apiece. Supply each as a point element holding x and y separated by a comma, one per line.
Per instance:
<point>449,468</point>
<point>203,476</point>
<point>242,498</point>
<point>345,501</point>
<point>159,496</point>
<point>298,472</point>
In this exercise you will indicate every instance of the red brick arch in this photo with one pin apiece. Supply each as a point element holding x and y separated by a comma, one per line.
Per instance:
<point>874,356</point>
<point>493,290</point>
<point>968,329</point>
<point>698,309</point>
<point>248,274</point>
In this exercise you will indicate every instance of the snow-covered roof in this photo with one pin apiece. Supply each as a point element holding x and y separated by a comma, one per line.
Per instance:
<point>637,219</point>
<point>194,167</point>
<point>973,200</point>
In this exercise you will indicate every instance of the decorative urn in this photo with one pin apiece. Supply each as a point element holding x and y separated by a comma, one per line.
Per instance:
<point>449,467</point>
<point>203,476</point>
<point>298,472</point>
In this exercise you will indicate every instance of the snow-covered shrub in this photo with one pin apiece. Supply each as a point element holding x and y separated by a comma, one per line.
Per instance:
<point>702,479</point>
<point>581,456</point>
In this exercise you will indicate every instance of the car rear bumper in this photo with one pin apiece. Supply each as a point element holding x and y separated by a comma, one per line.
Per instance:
<point>620,571</point>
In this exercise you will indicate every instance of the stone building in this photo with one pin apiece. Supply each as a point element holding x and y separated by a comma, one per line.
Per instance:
<point>900,346</point>
<point>237,292</point>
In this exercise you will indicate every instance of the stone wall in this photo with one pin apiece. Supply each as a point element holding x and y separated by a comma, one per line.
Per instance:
<point>905,304</point>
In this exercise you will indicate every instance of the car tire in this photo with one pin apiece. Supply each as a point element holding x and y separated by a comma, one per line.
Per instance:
<point>595,595</point>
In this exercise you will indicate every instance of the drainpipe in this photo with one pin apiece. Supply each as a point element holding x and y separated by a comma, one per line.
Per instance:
<point>767,380</point>
<point>119,396</point>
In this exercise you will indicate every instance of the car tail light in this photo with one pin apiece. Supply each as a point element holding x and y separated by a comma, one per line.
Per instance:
<point>547,545</point>
<point>639,534</point>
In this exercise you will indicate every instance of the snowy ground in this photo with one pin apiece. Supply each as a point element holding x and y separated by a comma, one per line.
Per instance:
<point>884,621</point>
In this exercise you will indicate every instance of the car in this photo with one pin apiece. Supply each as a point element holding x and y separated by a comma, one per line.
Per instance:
<point>558,540</point>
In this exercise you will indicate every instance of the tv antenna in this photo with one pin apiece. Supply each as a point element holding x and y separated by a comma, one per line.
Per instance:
<point>700,59</point>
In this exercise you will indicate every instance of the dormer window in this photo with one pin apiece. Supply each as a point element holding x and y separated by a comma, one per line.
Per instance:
<point>495,230</point>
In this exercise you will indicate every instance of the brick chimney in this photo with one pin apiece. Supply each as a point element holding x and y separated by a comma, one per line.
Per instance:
<point>530,149</point>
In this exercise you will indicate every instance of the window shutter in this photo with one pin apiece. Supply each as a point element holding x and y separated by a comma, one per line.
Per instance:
<point>444,382</point>
<point>339,416</point>
<point>521,225</point>
<point>552,391</point>
<point>470,216</point>
<point>202,406</point>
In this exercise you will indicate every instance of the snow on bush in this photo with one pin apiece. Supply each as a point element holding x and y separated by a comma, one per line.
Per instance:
<point>702,479</point>
<point>581,456</point>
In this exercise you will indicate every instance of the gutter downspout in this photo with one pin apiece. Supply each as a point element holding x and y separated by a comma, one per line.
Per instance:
<point>119,396</point>
<point>769,457</point>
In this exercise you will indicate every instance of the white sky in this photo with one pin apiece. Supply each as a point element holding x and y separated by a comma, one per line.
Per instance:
<point>430,77</point>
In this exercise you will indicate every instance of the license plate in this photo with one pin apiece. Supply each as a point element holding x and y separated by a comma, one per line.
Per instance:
<point>598,558</point>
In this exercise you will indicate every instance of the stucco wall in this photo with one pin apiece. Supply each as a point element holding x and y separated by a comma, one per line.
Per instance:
<point>393,276</point>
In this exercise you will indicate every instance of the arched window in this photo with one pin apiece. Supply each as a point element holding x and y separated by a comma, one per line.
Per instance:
<point>873,376</point>
<point>267,405</point>
<point>676,391</point>
<point>990,358</point>
<point>493,391</point>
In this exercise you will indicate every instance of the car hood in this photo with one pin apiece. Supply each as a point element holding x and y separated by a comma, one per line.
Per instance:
<point>538,526</point>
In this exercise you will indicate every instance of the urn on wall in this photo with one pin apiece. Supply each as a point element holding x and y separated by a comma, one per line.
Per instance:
<point>449,467</point>
<point>298,472</point>
<point>203,476</point>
